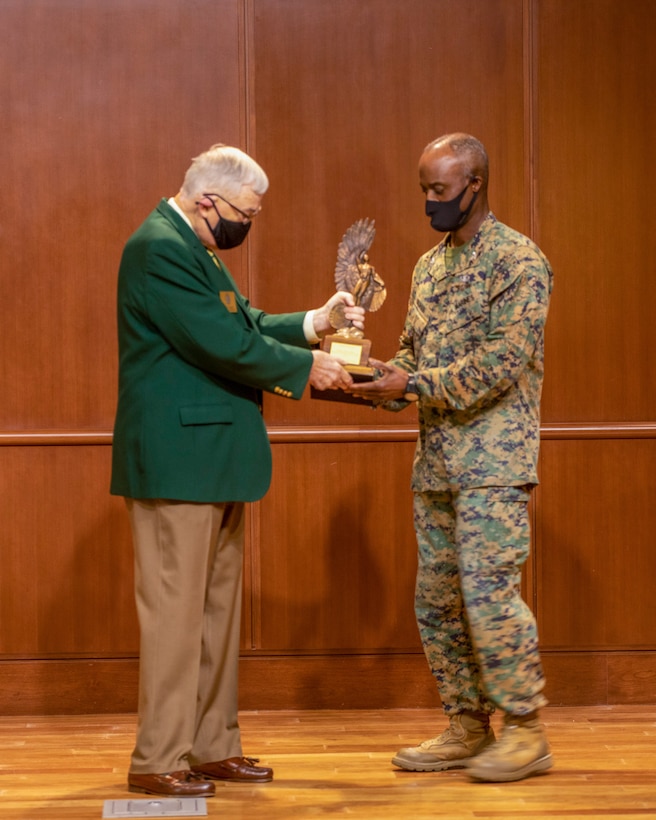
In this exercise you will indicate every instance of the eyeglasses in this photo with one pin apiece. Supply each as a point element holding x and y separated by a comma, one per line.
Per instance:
<point>247,216</point>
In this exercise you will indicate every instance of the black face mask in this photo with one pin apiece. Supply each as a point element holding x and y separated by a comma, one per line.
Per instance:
<point>228,234</point>
<point>447,216</point>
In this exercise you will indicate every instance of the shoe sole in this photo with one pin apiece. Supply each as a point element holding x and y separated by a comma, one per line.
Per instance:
<point>141,790</point>
<point>536,767</point>
<point>442,766</point>
<point>228,778</point>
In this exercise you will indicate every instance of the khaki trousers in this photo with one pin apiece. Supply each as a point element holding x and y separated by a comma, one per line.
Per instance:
<point>188,581</point>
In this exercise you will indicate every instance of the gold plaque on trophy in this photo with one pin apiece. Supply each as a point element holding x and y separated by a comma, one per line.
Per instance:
<point>353,273</point>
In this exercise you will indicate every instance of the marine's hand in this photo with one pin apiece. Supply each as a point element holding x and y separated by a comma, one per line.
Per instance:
<point>354,313</point>
<point>327,372</point>
<point>390,385</point>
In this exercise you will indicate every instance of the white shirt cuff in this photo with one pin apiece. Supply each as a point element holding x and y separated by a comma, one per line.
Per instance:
<point>308,328</point>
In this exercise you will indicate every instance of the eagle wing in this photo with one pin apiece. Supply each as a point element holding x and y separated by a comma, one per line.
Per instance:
<point>355,243</point>
<point>377,293</point>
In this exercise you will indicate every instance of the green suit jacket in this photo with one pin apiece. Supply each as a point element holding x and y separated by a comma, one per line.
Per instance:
<point>194,357</point>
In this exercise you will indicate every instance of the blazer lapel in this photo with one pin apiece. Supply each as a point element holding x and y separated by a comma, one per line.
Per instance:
<point>217,274</point>
<point>227,288</point>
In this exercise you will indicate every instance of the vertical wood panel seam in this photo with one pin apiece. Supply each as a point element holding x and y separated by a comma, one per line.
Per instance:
<point>530,116</point>
<point>248,123</point>
<point>530,52</point>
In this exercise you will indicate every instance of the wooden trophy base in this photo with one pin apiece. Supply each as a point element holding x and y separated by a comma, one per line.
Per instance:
<point>354,351</point>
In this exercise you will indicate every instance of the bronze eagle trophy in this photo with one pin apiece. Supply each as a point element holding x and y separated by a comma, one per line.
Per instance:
<point>354,274</point>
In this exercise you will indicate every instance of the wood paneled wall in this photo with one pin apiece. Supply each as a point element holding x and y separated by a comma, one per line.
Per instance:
<point>105,102</point>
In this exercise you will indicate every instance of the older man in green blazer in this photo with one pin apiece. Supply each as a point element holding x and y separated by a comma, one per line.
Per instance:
<point>190,447</point>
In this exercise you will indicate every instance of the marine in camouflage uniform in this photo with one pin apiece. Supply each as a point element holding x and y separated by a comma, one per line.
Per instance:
<point>474,336</point>
<point>471,353</point>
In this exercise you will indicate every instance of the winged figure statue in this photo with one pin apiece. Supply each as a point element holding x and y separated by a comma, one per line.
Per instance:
<point>354,274</point>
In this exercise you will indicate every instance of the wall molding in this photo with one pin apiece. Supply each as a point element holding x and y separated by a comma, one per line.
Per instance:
<point>304,435</point>
<point>333,681</point>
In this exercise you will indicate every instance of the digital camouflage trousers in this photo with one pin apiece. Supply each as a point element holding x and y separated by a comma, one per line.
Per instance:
<point>479,636</point>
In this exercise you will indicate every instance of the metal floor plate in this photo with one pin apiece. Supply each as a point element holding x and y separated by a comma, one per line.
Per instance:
<point>157,807</point>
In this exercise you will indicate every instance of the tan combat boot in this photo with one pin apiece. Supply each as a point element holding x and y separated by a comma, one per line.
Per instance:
<point>467,735</point>
<point>522,750</point>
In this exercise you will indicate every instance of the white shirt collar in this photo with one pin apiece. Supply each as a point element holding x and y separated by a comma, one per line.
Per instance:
<point>171,201</point>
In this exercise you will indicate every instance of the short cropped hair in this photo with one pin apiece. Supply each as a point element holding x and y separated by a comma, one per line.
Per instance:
<point>225,170</point>
<point>468,149</point>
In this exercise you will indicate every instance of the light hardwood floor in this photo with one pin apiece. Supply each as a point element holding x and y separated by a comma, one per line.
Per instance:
<point>337,763</point>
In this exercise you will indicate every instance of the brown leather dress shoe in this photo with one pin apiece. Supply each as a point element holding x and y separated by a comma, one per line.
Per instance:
<point>235,768</point>
<point>176,784</point>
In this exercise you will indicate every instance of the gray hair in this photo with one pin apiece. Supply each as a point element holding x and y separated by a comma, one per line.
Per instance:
<point>468,149</point>
<point>225,170</point>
